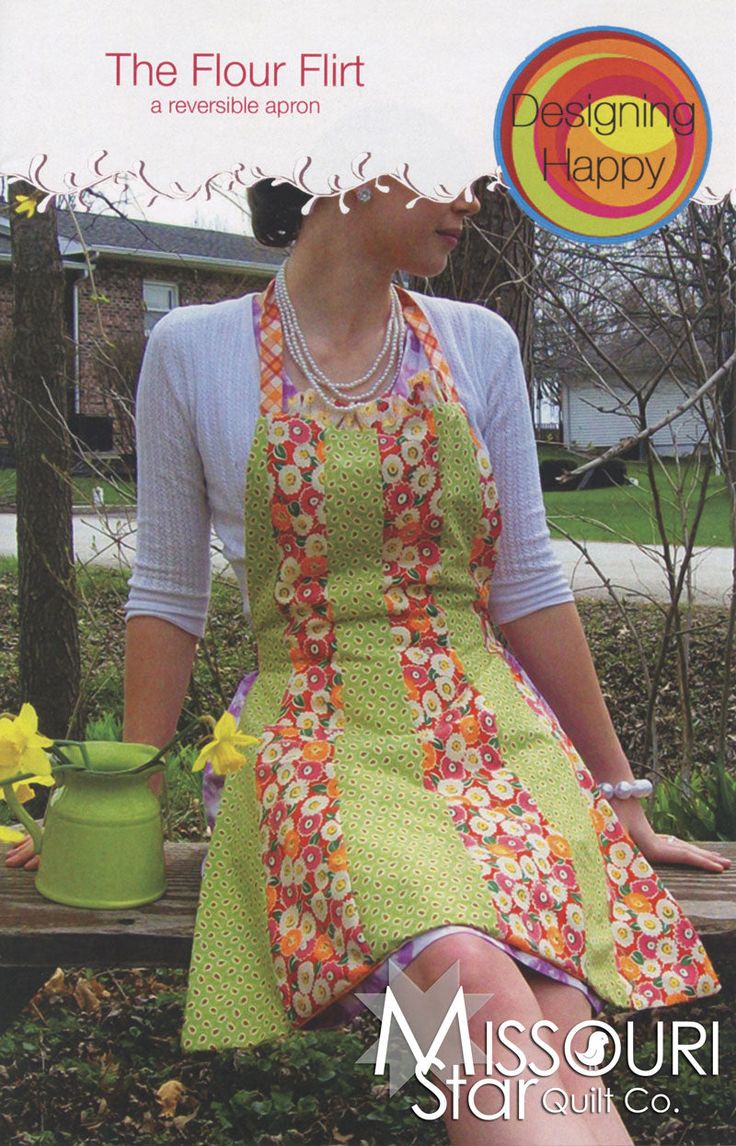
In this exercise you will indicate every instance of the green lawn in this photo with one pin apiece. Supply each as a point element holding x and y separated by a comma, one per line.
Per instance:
<point>626,513</point>
<point>619,513</point>
<point>116,492</point>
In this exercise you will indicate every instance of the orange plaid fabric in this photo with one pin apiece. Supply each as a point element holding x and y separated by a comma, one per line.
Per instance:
<point>272,349</point>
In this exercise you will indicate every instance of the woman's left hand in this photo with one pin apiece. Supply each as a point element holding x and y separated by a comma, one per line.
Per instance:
<point>659,849</point>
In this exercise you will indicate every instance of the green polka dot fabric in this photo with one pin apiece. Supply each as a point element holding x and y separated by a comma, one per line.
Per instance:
<point>407,775</point>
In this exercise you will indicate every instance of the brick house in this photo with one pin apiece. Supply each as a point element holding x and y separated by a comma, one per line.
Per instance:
<point>121,276</point>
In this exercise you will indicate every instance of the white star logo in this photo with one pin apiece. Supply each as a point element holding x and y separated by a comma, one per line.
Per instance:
<point>422,1030</point>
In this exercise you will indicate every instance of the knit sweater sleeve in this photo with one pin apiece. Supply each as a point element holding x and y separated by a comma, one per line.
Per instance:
<point>171,571</point>
<point>528,575</point>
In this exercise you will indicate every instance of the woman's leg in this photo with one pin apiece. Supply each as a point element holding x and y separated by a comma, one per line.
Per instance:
<point>483,969</point>
<point>566,1006</point>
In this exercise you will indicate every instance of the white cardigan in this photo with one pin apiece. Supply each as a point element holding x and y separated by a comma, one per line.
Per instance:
<point>196,409</point>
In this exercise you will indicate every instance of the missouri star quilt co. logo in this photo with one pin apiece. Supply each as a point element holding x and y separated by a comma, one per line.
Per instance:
<point>426,1033</point>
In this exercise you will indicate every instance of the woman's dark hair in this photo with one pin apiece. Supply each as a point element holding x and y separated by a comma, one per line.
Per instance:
<point>276,212</point>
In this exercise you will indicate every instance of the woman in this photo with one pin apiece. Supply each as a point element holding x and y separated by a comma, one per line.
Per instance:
<point>367,458</point>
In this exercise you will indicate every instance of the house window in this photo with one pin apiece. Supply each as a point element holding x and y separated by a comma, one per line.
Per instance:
<point>158,300</point>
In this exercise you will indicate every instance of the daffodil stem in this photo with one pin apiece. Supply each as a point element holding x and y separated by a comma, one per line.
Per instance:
<point>57,754</point>
<point>81,745</point>
<point>27,821</point>
<point>170,743</point>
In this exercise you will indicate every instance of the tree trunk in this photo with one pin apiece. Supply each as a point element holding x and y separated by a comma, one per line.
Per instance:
<point>49,635</point>
<point>493,265</point>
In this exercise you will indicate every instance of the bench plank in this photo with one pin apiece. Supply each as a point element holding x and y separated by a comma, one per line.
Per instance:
<point>38,933</point>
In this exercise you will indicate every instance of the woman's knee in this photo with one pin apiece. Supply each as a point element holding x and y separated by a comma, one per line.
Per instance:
<point>566,1007</point>
<point>482,969</point>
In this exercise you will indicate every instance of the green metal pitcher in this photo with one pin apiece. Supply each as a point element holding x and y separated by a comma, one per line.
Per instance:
<point>102,843</point>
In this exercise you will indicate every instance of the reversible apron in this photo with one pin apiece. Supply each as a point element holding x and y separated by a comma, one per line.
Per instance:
<point>409,775</point>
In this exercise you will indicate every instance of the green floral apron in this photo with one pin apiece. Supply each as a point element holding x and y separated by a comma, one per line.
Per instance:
<point>408,774</point>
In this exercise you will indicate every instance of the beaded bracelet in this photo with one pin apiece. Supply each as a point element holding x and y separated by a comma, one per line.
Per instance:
<point>626,788</point>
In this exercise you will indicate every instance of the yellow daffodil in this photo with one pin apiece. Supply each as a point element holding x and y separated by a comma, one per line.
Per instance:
<point>26,205</point>
<point>22,746</point>
<point>222,750</point>
<point>11,835</point>
<point>23,789</point>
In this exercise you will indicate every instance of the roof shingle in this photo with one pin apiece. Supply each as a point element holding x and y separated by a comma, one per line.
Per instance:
<point>111,233</point>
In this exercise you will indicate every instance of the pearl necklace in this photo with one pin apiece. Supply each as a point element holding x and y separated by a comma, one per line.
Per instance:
<point>297,346</point>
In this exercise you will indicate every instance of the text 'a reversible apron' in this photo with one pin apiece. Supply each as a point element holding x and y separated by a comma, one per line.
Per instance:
<point>409,775</point>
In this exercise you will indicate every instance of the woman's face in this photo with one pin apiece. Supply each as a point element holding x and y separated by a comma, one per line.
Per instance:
<point>418,239</point>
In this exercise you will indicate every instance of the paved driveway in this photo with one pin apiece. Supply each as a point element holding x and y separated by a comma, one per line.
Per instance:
<point>641,572</point>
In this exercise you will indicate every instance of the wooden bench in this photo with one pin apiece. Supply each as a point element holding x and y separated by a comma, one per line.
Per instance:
<point>37,936</point>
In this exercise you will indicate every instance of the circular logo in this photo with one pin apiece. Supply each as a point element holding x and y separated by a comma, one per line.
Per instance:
<point>591,1060</point>
<point>602,134</point>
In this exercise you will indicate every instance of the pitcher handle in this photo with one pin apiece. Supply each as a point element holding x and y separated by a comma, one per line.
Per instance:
<point>31,826</point>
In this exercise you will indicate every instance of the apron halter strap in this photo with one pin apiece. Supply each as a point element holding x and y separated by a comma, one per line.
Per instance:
<point>271,347</point>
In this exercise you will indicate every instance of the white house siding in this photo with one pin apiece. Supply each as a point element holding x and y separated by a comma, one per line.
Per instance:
<point>589,419</point>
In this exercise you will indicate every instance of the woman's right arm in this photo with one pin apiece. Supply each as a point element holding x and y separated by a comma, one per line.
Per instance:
<point>169,588</point>
<point>158,666</point>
